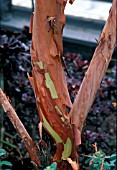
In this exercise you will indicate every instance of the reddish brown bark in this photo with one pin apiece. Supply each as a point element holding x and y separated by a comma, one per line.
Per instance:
<point>30,145</point>
<point>96,70</point>
<point>47,51</point>
<point>49,84</point>
<point>47,25</point>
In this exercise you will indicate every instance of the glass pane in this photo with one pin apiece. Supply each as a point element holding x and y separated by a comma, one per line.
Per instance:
<point>89,9</point>
<point>24,3</point>
<point>94,9</point>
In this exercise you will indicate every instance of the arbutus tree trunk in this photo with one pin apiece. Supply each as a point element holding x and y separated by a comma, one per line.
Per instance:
<point>48,79</point>
<point>50,87</point>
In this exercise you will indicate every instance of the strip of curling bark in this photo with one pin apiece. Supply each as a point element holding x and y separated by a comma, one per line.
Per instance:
<point>30,145</point>
<point>48,78</point>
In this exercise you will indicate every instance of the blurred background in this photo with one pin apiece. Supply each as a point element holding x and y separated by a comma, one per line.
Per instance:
<point>85,20</point>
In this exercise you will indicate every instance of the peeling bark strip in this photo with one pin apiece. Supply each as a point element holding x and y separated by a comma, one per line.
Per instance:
<point>96,71</point>
<point>48,79</point>
<point>30,145</point>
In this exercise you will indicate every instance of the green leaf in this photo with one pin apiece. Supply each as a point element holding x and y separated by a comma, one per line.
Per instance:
<point>98,160</point>
<point>91,167</point>
<point>53,165</point>
<point>47,168</point>
<point>113,156</point>
<point>113,163</point>
<point>5,163</point>
<point>9,144</point>
<point>107,157</point>
<point>97,166</point>
<point>67,149</point>
<point>100,154</point>
<point>106,166</point>
<point>88,160</point>
<point>2,152</point>
<point>50,85</point>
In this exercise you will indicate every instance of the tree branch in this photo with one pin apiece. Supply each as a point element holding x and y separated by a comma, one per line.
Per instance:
<point>96,71</point>
<point>30,145</point>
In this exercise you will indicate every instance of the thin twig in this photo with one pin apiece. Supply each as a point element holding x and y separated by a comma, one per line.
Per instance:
<point>30,145</point>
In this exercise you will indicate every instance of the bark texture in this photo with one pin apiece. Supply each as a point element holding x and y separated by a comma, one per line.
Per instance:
<point>30,145</point>
<point>49,84</point>
<point>48,79</point>
<point>96,70</point>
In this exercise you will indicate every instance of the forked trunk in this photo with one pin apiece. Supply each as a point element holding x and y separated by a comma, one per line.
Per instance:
<point>48,79</point>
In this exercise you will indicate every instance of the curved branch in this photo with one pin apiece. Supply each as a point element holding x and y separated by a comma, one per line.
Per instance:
<point>30,145</point>
<point>96,71</point>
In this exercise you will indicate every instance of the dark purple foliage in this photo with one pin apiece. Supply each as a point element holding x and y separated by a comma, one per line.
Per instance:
<point>15,62</point>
